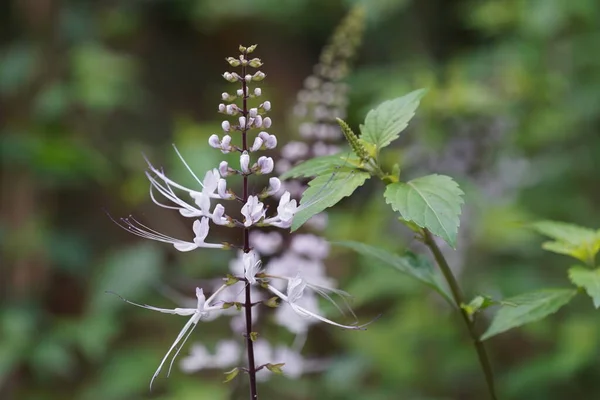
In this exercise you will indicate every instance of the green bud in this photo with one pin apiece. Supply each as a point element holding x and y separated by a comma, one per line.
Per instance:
<point>227,305</point>
<point>354,141</point>
<point>255,63</point>
<point>231,280</point>
<point>238,305</point>
<point>229,375</point>
<point>258,76</point>
<point>242,49</point>
<point>253,336</point>
<point>251,48</point>
<point>273,302</point>
<point>275,368</point>
<point>233,61</point>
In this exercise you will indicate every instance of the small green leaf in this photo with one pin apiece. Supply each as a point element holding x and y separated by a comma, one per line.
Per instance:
<point>589,279</point>
<point>384,124</point>
<point>477,304</point>
<point>273,302</point>
<point>275,368</point>
<point>571,240</point>
<point>231,280</point>
<point>230,375</point>
<point>253,336</point>
<point>528,307</point>
<point>416,267</point>
<point>327,190</point>
<point>321,166</point>
<point>431,202</point>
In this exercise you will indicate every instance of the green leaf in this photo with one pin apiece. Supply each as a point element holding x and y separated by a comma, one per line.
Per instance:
<point>431,202</point>
<point>589,279</point>
<point>327,190</point>
<point>321,165</point>
<point>253,336</point>
<point>384,123</point>
<point>528,307</point>
<point>230,375</point>
<point>571,240</point>
<point>477,304</point>
<point>416,267</point>
<point>275,368</point>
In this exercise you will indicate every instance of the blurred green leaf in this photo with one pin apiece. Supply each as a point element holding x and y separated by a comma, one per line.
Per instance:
<point>526,308</point>
<point>384,124</point>
<point>320,166</point>
<point>432,202</point>
<point>572,240</point>
<point>414,266</point>
<point>589,279</point>
<point>327,190</point>
<point>17,67</point>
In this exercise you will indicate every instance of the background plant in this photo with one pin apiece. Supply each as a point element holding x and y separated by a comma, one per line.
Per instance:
<point>510,114</point>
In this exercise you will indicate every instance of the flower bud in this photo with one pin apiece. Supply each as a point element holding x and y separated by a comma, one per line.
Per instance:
<point>233,62</point>
<point>267,122</point>
<point>258,142</point>
<point>226,126</point>
<point>248,78</point>
<point>225,96</point>
<point>258,121</point>
<point>257,91</point>
<point>222,189</point>
<point>221,107</point>
<point>242,121</point>
<point>274,186</point>
<point>253,112</point>
<point>266,105</point>
<point>224,169</point>
<point>251,49</point>
<point>271,142</point>
<point>242,49</point>
<point>255,63</point>
<point>226,144</point>
<point>265,165</point>
<point>214,142</point>
<point>244,162</point>
<point>218,215</point>
<point>229,109</point>
<point>240,92</point>
<point>258,76</point>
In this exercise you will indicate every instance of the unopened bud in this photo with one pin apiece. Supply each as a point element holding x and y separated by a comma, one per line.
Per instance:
<point>226,126</point>
<point>251,49</point>
<point>255,63</point>
<point>258,76</point>
<point>233,62</point>
<point>214,141</point>
<point>266,105</point>
<point>267,122</point>
<point>221,107</point>
<point>257,91</point>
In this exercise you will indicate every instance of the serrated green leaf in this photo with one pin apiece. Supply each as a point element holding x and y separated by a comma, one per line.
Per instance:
<point>414,266</point>
<point>230,375</point>
<point>321,166</point>
<point>528,307</point>
<point>432,202</point>
<point>384,124</point>
<point>327,190</point>
<point>571,240</point>
<point>589,279</point>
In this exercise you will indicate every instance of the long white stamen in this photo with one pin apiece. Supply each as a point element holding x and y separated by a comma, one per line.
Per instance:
<point>187,166</point>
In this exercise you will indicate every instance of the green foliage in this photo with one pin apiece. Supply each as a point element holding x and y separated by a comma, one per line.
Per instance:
<point>414,266</point>
<point>477,304</point>
<point>320,166</point>
<point>571,240</point>
<point>327,190</point>
<point>526,308</point>
<point>384,124</point>
<point>589,279</point>
<point>432,202</point>
<point>230,375</point>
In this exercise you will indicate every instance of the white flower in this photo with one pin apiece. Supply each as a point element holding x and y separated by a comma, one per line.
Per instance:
<point>274,186</point>
<point>252,265</point>
<point>225,96</point>
<point>295,291</point>
<point>267,122</point>
<point>224,169</point>
<point>214,141</point>
<point>285,212</point>
<point>266,105</point>
<point>253,211</point>
<point>227,354</point>
<point>245,162</point>
<point>311,246</point>
<point>258,142</point>
<point>221,107</point>
<point>242,121</point>
<point>240,92</point>
<point>294,151</point>
<point>201,311</point>
<point>257,91</point>
<point>253,112</point>
<point>258,121</point>
<point>222,190</point>
<point>226,144</point>
<point>269,140</point>
<point>265,165</point>
<point>218,216</point>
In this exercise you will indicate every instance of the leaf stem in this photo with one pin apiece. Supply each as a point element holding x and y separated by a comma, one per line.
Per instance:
<point>458,297</point>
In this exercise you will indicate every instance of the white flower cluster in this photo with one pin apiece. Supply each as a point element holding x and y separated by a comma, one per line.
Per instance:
<point>291,282</point>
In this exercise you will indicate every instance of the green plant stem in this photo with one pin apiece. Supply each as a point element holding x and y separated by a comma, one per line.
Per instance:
<point>458,297</point>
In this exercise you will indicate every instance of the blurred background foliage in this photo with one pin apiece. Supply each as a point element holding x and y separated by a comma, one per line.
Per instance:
<point>86,86</point>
